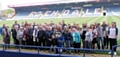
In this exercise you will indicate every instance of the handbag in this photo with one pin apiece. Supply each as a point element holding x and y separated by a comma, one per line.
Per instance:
<point>24,39</point>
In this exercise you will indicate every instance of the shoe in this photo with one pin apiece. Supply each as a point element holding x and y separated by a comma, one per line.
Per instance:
<point>115,53</point>
<point>109,52</point>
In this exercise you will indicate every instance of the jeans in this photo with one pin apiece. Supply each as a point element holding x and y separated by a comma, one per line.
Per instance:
<point>88,44</point>
<point>20,41</point>
<point>53,48</point>
<point>102,42</point>
<point>68,45</point>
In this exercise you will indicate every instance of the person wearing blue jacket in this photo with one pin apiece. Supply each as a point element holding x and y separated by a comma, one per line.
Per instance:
<point>60,39</point>
<point>76,39</point>
<point>2,28</point>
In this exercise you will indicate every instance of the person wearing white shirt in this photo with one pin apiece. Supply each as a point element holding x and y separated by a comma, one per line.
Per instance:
<point>35,33</point>
<point>20,35</point>
<point>88,38</point>
<point>112,34</point>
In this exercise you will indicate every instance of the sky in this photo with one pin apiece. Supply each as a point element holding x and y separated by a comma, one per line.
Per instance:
<point>4,3</point>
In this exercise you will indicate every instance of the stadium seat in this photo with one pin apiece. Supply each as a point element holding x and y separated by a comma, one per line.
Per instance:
<point>71,12</point>
<point>21,15</point>
<point>53,13</point>
<point>36,14</point>
<point>92,11</point>
<point>113,10</point>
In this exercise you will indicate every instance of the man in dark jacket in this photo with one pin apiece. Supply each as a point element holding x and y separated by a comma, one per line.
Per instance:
<point>83,34</point>
<point>6,33</point>
<point>14,34</point>
<point>104,25</point>
<point>41,36</point>
<point>30,32</point>
<point>68,37</point>
<point>63,24</point>
<point>48,36</point>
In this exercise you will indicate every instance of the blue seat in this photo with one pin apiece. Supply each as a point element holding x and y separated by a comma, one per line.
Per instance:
<point>90,11</point>
<point>71,12</point>
<point>21,15</point>
<point>112,10</point>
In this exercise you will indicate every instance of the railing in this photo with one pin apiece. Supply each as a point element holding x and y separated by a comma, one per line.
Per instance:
<point>112,51</point>
<point>38,47</point>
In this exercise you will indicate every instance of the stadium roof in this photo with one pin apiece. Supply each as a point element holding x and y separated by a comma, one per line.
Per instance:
<point>49,3</point>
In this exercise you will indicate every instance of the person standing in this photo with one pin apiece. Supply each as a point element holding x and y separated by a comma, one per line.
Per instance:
<point>76,39</point>
<point>100,36</point>
<point>26,37</point>
<point>14,34</point>
<point>16,24</point>
<point>1,28</point>
<point>107,38</point>
<point>88,38</point>
<point>6,33</point>
<point>41,37</point>
<point>83,34</point>
<point>104,25</point>
<point>20,35</point>
<point>68,37</point>
<point>60,38</point>
<point>113,34</point>
<point>35,34</point>
<point>54,40</point>
<point>63,24</point>
<point>30,33</point>
<point>95,34</point>
<point>49,36</point>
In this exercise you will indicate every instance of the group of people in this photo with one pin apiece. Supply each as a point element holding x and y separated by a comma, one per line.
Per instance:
<point>63,35</point>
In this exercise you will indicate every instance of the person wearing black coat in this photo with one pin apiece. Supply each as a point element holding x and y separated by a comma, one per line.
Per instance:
<point>30,32</point>
<point>14,34</point>
<point>48,34</point>
<point>83,34</point>
<point>68,38</point>
<point>41,37</point>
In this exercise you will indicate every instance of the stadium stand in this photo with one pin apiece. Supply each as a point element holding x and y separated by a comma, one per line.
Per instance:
<point>92,11</point>
<point>53,13</point>
<point>71,12</point>
<point>64,10</point>
<point>113,10</point>
<point>21,15</point>
<point>36,14</point>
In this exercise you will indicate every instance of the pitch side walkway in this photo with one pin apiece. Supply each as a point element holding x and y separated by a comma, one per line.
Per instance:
<point>47,52</point>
